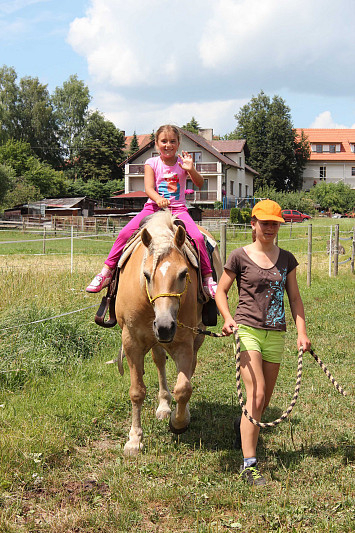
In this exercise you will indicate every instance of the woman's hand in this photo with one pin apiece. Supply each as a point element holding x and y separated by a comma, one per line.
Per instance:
<point>229,326</point>
<point>303,340</point>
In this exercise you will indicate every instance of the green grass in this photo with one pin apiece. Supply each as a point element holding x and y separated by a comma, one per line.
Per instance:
<point>65,417</point>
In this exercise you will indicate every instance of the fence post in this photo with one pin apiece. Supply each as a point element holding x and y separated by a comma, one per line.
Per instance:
<point>353,252</point>
<point>223,241</point>
<point>290,229</point>
<point>336,249</point>
<point>330,251</point>
<point>309,263</point>
<point>44,240</point>
<point>71,248</point>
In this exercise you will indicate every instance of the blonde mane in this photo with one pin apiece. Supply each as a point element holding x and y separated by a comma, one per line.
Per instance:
<point>162,230</point>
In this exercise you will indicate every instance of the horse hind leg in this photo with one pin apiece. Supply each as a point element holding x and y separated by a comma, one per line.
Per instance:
<point>159,357</point>
<point>137,392</point>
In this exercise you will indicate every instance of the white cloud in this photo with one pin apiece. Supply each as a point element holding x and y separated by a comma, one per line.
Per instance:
<point>325,120</point>
<point>10,6</point>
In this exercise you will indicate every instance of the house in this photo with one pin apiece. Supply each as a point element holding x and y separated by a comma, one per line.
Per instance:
<point>82,206</point>
<point>332,157</point>
<point>227,179</point>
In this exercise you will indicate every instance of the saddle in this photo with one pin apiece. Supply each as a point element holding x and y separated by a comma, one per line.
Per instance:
<point>108,302</point>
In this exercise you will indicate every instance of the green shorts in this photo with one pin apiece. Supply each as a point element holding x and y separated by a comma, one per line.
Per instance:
<point>269,343</point>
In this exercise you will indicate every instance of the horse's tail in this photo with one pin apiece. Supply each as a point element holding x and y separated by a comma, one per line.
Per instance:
<point>118,360</point>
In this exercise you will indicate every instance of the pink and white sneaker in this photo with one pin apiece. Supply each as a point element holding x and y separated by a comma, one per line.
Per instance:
<point>210,286</point>
<point>100,281</point>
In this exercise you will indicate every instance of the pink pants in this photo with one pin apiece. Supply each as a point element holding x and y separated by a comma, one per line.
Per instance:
<point>149,209</point>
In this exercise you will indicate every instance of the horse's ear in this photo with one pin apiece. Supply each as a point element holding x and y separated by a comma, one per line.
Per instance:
<point>146,237</point>
<point>180,236</point>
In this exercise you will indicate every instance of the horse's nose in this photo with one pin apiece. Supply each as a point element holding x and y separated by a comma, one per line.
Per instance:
<point>164,330</point>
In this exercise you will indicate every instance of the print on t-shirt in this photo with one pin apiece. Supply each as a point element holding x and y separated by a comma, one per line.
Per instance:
<point>276,313</point>
<point>170,186</point>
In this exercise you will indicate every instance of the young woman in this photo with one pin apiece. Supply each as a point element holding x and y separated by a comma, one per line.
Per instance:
<point>263,272</point>
<point>165,184</point>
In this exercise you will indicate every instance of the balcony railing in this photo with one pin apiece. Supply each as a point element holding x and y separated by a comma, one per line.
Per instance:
<point>203,168</point>
<point>202,196</point>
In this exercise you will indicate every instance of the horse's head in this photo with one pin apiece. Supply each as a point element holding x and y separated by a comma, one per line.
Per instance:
<point>166,280</point>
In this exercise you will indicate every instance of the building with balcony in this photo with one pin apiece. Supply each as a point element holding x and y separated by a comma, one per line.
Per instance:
<point>227,179</point>
<point>332,158</point>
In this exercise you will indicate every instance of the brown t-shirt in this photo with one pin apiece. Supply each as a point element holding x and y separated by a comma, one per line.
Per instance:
<point>261,290</point>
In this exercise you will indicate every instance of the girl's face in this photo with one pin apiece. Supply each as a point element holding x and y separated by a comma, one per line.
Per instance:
<point>167,144</point>
<point>266,230</point>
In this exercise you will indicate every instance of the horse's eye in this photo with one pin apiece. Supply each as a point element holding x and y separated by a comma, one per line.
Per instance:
<point>147,276</point>
<point>182,275</point>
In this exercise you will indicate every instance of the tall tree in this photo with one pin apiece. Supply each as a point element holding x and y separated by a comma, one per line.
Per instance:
<point>134,146</point>
<point>275,152</point>
<point>192,126</point>
<point>101,149</point>
<point>8,102</point>
<point>70,104</point>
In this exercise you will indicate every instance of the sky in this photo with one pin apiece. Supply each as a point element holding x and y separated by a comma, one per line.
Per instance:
<point>148,63</point>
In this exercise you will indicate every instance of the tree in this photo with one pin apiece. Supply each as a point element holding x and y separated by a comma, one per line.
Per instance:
<point>134,146</point>
<point>7,176</point>
<point>101,150</point>
<point>8,101</point>
<point>70,104</point>
<point>338,197</point>
<point>275,152</point>
<point>192,126</point>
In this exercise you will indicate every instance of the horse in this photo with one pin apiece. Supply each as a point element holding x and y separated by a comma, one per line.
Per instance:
<point>158,309</point>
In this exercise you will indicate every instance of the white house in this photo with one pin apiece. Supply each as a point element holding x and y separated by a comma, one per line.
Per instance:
<point>332,157</point>
<point>221,163</point>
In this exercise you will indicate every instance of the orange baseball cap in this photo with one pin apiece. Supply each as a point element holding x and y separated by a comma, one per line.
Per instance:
<point>267,210</point>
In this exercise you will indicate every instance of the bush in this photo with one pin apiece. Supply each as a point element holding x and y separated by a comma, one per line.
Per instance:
<point>234,215</point>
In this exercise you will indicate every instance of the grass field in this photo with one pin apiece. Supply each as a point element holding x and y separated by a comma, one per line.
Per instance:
<point>65,414</point>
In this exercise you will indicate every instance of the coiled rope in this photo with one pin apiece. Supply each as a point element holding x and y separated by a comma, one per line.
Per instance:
<point>285,414</point>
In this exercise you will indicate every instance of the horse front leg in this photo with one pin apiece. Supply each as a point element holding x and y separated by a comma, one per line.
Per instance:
<point>164,396</point>
<point>185,363</point>
<point>137,392</point>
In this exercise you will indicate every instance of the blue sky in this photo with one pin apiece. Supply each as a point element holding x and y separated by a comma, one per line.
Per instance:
<point>148,63</point>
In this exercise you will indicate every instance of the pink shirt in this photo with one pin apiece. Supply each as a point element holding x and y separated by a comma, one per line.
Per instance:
<point>170,182</point>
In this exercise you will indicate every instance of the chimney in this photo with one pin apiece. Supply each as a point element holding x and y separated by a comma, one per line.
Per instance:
<point>206,134</point>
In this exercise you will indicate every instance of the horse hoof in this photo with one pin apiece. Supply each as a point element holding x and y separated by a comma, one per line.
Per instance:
<point>176,431</point>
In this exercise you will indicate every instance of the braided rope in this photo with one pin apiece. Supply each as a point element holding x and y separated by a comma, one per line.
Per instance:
<point>297,387</point>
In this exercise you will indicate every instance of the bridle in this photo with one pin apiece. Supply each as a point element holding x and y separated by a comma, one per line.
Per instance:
<point>168,294</point>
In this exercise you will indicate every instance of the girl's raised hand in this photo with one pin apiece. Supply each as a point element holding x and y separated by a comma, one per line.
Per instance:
<point>187,161</point>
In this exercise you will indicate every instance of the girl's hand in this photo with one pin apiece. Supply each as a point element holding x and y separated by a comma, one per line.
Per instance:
<point>228,327</point>
<point>163,202</point>
<point>303,340</point>
<point>187,161</point>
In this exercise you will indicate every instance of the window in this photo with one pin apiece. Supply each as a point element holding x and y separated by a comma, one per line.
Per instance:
<point>353,171</point>
<point>322,173</point>
<point>332,148</point>
<point>196,156</point>
<point>231,184</point>
<point>319,148</point>
<point>247,190</point>
<point>352,146</point>
<point>240,190</point>
<point>240,161</point>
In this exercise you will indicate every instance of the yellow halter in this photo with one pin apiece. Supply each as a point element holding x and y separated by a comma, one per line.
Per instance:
<point>168,294</point>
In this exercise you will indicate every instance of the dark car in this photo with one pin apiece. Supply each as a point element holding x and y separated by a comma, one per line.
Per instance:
<point>291,215</point>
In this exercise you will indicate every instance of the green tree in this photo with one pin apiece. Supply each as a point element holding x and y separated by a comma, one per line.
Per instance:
<point>192,126</point>
<point>275,152</point>
<point>35,120</point>
<point>7,176</point>
<point>101,150</point>
<point>338,197</point>
<point>8,101</point>
<point>134,146</point>
<point>70,104</point>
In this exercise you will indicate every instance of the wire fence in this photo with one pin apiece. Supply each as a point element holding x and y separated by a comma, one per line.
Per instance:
<point>325,245</point>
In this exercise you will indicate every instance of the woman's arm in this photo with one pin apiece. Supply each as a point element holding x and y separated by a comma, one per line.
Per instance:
<point>188,165</point>
<point>221,299</point>
<point>297,310</point>
<point>149,186</point>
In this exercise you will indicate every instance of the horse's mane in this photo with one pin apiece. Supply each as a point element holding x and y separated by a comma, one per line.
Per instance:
<point>162,230</point>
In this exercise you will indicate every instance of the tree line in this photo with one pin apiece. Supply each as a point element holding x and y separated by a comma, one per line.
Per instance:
<point>52,145</point>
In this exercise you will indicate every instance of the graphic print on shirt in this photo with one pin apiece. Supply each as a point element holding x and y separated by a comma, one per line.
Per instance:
<point>169,187</point>
<point>276,314</point>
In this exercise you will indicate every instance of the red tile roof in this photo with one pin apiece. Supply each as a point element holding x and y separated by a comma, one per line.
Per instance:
<point>233,146</point>
<point>344,137</point>
<point>134,194</point>
<point>142,140</point>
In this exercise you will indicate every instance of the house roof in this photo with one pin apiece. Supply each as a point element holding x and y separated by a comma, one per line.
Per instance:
<point>344,137</point>
<point>142,140</point>
<point>60,202</point>
<point>233,146</point>
<point>134,194</point>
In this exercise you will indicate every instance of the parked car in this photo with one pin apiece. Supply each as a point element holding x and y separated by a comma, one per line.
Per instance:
<point>291,215</point>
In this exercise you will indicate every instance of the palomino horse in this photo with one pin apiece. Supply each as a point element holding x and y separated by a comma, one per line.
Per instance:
<point>157,293</point>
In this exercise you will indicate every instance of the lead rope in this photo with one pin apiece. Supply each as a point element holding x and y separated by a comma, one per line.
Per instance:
<point>284,415</point>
